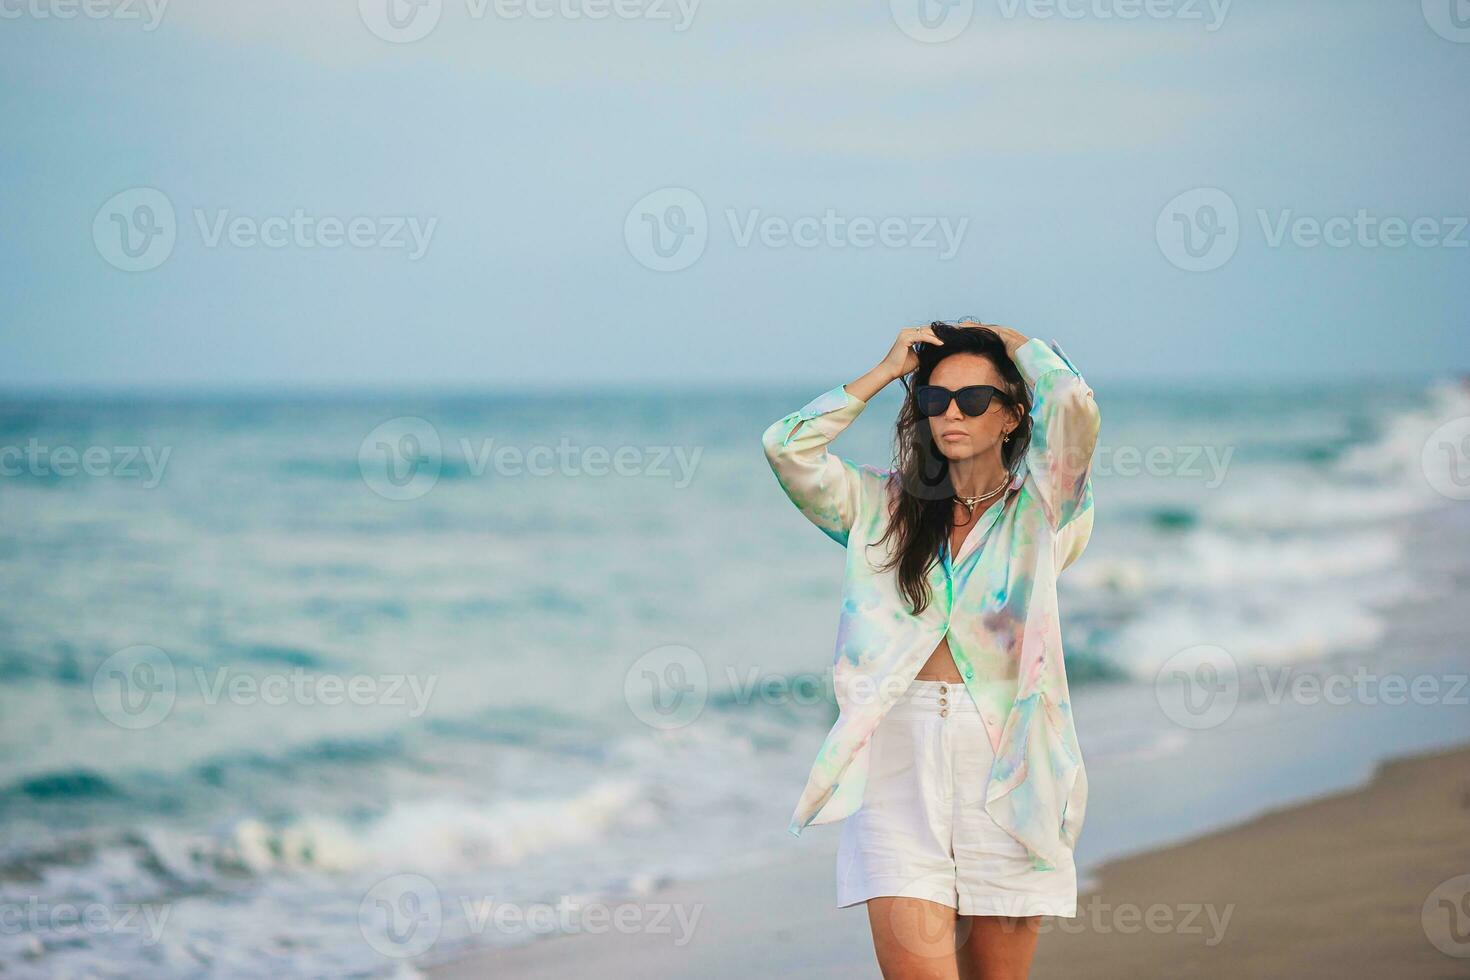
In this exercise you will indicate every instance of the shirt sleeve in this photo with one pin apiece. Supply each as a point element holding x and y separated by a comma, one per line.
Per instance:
<point>825,488</point>
<point>1072,540</point>
<point>1064,427</point>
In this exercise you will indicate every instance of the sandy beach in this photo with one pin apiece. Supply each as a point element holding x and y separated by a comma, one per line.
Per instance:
<point>1339,886</point>
<point>1336,887</point>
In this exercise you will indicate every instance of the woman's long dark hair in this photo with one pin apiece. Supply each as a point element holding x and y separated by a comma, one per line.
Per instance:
<point>924,511</point>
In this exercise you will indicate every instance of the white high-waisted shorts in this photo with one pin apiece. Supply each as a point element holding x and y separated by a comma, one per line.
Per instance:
<point>922,830</point>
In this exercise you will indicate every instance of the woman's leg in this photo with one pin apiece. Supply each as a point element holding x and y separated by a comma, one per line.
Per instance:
<point>997,947</point>
<point>994,872</point>
<point>913,938</point>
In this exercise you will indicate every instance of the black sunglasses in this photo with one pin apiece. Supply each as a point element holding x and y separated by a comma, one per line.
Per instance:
<point>932,400</point>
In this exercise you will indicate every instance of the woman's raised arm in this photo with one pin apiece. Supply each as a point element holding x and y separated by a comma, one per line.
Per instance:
<point>824,487</point>
<point>1064,426</point>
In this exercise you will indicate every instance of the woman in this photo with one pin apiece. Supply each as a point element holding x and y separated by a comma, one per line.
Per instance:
<point>954,761</point>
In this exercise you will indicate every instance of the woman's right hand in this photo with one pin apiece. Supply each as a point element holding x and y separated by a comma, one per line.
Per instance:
<point>902,359</point>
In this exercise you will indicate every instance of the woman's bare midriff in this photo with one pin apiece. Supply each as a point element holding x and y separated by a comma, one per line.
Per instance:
<point>940,665</point>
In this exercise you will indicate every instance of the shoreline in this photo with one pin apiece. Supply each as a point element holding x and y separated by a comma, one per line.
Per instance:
<point>1336,885</point>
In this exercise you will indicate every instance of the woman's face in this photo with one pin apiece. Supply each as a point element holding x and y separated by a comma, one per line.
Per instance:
<point>957,435</point>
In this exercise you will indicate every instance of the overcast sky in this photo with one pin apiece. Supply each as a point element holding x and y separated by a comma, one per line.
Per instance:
<point>221,193</point>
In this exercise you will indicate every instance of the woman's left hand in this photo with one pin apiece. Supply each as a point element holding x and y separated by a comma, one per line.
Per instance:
<point>1013,339</point>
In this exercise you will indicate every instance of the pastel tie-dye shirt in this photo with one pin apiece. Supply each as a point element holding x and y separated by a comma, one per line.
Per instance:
<point>996,599</point>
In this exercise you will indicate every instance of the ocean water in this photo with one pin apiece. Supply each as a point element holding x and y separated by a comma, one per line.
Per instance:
<point>275,667</point>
